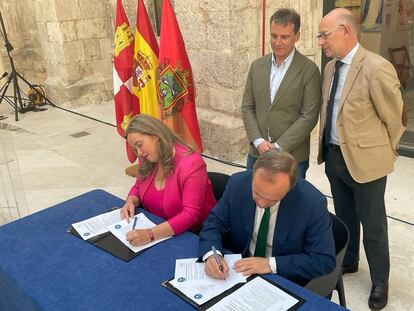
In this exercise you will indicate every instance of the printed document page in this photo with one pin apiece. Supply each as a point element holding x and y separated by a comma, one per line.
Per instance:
<point>121,228</point>
<point>256,295</point>
<point>97,225</point>
<point>193,282</point>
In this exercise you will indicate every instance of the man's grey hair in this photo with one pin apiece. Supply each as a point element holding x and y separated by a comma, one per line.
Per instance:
<point>346,19</point>
<point>285,16</point>
<point>276,161</point>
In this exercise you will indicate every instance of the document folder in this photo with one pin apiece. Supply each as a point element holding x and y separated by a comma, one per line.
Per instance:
<point>109,243</point>
<point>219,297</point>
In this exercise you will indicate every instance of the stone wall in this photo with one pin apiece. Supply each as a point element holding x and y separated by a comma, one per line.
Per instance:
<point>68,46</point>
<point>222,39</point>
<point>77,44</point>
<point>22,32</point>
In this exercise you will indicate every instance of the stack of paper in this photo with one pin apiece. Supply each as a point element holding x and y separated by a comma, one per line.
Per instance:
<point>193,282</point>
<point>111,222</point>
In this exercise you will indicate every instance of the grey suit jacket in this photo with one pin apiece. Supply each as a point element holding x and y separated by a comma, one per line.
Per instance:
<point>369,123</point>
<point>292,115</point>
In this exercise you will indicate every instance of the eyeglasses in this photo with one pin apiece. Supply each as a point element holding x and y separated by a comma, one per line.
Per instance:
<point>324,35</point>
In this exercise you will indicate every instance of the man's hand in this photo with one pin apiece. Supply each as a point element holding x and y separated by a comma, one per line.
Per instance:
<point>212,268</point>
<point>138,237</point>
<point>252,265</point>
<point>265,146</point>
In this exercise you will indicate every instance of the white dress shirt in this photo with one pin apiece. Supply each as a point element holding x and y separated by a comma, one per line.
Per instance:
<point>257,219</point>
<point>277,73</point>
<point>272,223</point>
<point>343,73</point>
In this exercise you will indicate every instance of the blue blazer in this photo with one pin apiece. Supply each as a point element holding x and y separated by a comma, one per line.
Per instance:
<point>303,243</point>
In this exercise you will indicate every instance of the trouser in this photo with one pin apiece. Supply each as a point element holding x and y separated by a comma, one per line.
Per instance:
<point>360,203</point>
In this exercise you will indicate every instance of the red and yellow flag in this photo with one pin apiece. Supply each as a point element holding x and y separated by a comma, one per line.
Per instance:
<point>126,105</point>
<point>175,81</point>
<point>145,64</point>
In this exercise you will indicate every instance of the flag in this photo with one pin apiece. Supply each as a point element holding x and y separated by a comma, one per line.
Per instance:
<point>175,81</point>
<point>145,64</point>
<point>126,105</point>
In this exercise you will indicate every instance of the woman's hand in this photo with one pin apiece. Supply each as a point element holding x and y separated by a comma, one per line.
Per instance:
<point>128,210</point>
<point>138,237</point>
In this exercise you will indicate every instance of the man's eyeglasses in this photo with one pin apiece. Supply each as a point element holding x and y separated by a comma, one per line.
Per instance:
<point>324,35</point>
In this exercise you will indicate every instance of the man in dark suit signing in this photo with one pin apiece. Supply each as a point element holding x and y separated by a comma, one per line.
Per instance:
<point>360,127</point>
<point>282,97</point>
<point>279,224</point>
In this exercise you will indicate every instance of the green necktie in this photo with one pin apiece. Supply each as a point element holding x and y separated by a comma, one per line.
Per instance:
<point>261,241</point>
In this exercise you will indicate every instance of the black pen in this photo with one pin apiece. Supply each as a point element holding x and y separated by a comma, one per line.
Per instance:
<point>216,258</point>
<point>135,223</point>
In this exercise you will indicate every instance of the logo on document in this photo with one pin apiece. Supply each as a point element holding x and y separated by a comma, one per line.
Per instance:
<point>181,279</point>
<point>117,226</point>
<point>198,296</point>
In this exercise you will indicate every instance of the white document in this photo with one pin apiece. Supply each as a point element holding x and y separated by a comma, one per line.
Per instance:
<point>97,225</point>
<point>256,295</point>
<point>121,228</point>
<point>193,282</point>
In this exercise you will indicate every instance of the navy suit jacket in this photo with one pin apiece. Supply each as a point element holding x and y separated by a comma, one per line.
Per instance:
<point>303,243</point>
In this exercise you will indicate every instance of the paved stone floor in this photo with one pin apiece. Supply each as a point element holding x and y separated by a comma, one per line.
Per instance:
<point>47,161</point>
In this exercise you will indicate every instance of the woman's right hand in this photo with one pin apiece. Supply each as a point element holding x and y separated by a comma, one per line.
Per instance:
<point>128,210</point>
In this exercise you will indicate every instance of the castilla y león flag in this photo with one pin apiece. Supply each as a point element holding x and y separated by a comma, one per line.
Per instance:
<point>145,64</point>
<point>126,104</point>
<point>175,81</point>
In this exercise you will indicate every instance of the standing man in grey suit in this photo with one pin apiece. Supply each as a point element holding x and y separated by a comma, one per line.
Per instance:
<point>360,127</point>
<point>282,96</point>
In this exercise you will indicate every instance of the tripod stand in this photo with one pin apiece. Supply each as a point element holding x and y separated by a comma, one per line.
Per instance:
<point>18,103</point>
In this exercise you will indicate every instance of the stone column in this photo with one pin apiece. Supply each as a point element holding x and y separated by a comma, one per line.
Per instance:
<point>77,45</point>
<point>222,38</point>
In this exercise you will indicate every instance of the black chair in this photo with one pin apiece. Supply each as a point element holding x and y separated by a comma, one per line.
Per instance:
<point>218,181</point>
<point>324,285</point>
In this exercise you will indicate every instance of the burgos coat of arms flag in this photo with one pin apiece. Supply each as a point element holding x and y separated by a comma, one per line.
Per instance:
<point>175,81</point>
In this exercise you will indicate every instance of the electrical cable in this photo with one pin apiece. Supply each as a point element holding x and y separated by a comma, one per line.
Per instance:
<point>205,156</point>
<point>391,217</point>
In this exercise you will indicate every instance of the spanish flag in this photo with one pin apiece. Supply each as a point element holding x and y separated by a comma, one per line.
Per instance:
<point>145,64</point>
<point>175,81</point>
<point>126,105</point>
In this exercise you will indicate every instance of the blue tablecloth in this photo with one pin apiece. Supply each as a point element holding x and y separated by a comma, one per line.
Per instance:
<point>42,267</point>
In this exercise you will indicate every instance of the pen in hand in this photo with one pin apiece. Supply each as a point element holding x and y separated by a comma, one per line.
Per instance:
<point>135,223</point>
<point>217,258</point>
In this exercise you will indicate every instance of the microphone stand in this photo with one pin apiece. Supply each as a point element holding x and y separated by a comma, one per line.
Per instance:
<point>18,103</point>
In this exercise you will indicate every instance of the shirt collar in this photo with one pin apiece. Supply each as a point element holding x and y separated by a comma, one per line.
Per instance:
<point>348,58</point>
<point>287,60</point>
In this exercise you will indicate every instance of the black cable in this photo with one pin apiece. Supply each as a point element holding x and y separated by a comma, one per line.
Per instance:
<point>205,156</point>
<point>223,161</point>
<point>80,114</point>
<point>400,220</point>
<point>392,217</point>
<point>97,120</point>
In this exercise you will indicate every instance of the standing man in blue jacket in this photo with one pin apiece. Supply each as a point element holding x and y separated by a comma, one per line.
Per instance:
<point>279,224</point>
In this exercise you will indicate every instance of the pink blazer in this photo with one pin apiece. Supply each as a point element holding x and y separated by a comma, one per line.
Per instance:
<point>188,194</point>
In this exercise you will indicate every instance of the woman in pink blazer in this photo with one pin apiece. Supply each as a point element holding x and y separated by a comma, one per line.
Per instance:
<point>172,181</point>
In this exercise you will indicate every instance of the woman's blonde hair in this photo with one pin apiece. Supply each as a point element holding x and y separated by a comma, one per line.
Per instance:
<point>147,125</point>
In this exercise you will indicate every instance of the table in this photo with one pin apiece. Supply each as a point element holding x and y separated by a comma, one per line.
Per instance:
<point>42,267</point>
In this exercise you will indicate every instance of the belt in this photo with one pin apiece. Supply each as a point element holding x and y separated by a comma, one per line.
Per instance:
<point>334,147</point>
